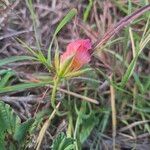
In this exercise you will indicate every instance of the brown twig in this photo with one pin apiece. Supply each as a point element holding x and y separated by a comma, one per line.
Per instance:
<point>119,26</point>
<point>45,127</point>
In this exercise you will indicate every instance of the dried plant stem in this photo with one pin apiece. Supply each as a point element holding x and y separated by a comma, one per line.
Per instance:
<point>76,95</point>
<point>45,127</point>
<point>79,96</point>
<point>114,119</point>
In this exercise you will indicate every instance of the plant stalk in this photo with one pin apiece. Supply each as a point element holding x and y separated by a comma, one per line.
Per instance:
<point>56,82</point>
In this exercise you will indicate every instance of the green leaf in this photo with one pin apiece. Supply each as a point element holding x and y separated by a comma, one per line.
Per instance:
<point>21,87</point>
<point>38,55</point>
<point>4,71</point>
<point>91,79</point>
<point>87,126</point>
<point>63,143</point>
<point>87,10</point>
<point>9,120</point>
<point>104,121</point>
<point>22,130</point>
<point>65,20</point>
<point>2,146</point>
<point>129,71</point>
<point>2,141</point>
<point>77,73</point>
<point>9,123</point>
<point>23,44</point>
<point>5,78</point>
<point>64,68</point>
<point>14,59</point>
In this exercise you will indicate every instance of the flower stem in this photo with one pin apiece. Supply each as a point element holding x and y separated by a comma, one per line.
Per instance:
<point>70,125</point>
<point>56,82</point>
<point>76,131</point>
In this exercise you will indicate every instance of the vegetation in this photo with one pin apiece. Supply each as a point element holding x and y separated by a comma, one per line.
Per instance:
<point>50,103</point>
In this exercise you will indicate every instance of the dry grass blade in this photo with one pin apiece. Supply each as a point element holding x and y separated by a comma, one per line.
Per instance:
<point>133,125</point>
<point>45,127</point>
<point>114,119</point>
<point>79,96</point>
<point>132,43</point>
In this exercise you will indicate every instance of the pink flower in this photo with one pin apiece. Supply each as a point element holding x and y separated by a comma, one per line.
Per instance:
<point>79,51</point>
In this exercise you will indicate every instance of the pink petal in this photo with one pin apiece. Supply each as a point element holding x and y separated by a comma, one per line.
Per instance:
<point>79,49</point>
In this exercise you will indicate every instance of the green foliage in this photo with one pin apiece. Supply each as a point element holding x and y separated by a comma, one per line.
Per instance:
<point>62,142</point>
<point>87,126</point>
<point>131,85</point>
<point>2,142</point>
<point>63,22</point>
<point>14,59</point>
<point>77,73</point>
<point>85,122</point>
<point>5,76</point>
<point>139,47</point>
<point>22,130</point>
<point>38,55</point>
<point>12,131</point>
<point>40,116</point>
<point>9,118</point>
<point>21,87</point>
<point>87,10</point>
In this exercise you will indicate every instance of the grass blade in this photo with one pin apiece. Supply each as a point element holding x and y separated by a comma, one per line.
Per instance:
<point>87,10</point>
<point>65,20</point>
<point>21,87</point>
<point>35,23</point>
<point>130,69</point>
<point>14,59</point>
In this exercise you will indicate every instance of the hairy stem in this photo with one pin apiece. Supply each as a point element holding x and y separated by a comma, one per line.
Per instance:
<point>56,82</point>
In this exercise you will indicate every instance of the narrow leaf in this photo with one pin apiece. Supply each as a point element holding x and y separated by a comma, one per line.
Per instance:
<point>9,119</point>
<point>21,87</point>
<point>14,59</point>
<point>65,20</point>
<point>77,73</point>
<point>6,78</point>
<point>22,130</point>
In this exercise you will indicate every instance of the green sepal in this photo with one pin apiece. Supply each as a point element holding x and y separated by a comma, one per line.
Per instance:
<point>77,73</point>
<point>65,66</point>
